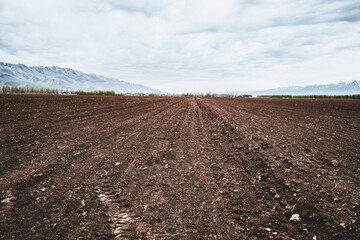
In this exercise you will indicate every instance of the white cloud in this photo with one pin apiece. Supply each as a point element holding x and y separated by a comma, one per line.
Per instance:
<point>198,45</point>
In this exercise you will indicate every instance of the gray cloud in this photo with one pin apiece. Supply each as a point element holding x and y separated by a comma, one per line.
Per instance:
<point>197,45</point>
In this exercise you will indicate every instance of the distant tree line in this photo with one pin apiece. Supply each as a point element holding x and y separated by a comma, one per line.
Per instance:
<point>106,93</point>
<point>14,89</point>
<point>354,96</point>
<point>30,90</point>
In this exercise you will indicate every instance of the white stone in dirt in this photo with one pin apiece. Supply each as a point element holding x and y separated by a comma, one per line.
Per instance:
<point>6,200</point>
<point>335,163</point>
<point>117,164</point>
<point>295,217</point>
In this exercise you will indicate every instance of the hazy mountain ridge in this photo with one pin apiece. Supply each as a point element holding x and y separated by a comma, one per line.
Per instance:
<point>64,78</point>
<point>341,88</point>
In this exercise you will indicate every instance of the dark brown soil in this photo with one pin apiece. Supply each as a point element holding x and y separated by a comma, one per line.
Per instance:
<point>90,167</point>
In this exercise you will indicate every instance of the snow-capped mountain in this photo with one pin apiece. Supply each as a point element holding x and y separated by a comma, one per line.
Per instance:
<point>64,78</point>
<point>342,88</point>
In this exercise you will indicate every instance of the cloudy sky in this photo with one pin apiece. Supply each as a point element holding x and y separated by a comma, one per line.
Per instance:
<point>188,45</point>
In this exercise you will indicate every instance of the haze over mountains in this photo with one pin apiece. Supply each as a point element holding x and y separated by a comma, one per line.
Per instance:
<point>341,88</point>
<point>64,78</point>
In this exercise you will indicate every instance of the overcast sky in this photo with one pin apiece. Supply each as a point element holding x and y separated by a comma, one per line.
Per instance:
<point>188,45</point>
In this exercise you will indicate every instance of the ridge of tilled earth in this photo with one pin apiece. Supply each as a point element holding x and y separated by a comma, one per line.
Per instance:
<point>178,168</point>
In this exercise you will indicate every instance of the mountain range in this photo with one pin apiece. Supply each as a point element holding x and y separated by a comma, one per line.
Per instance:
<point>341,88</point>
<point>64,78</point>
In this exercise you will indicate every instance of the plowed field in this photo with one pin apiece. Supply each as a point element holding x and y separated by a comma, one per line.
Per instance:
<point>91,167</point>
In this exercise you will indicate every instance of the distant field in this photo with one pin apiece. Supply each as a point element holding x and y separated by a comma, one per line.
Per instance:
<point>104,167</point>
